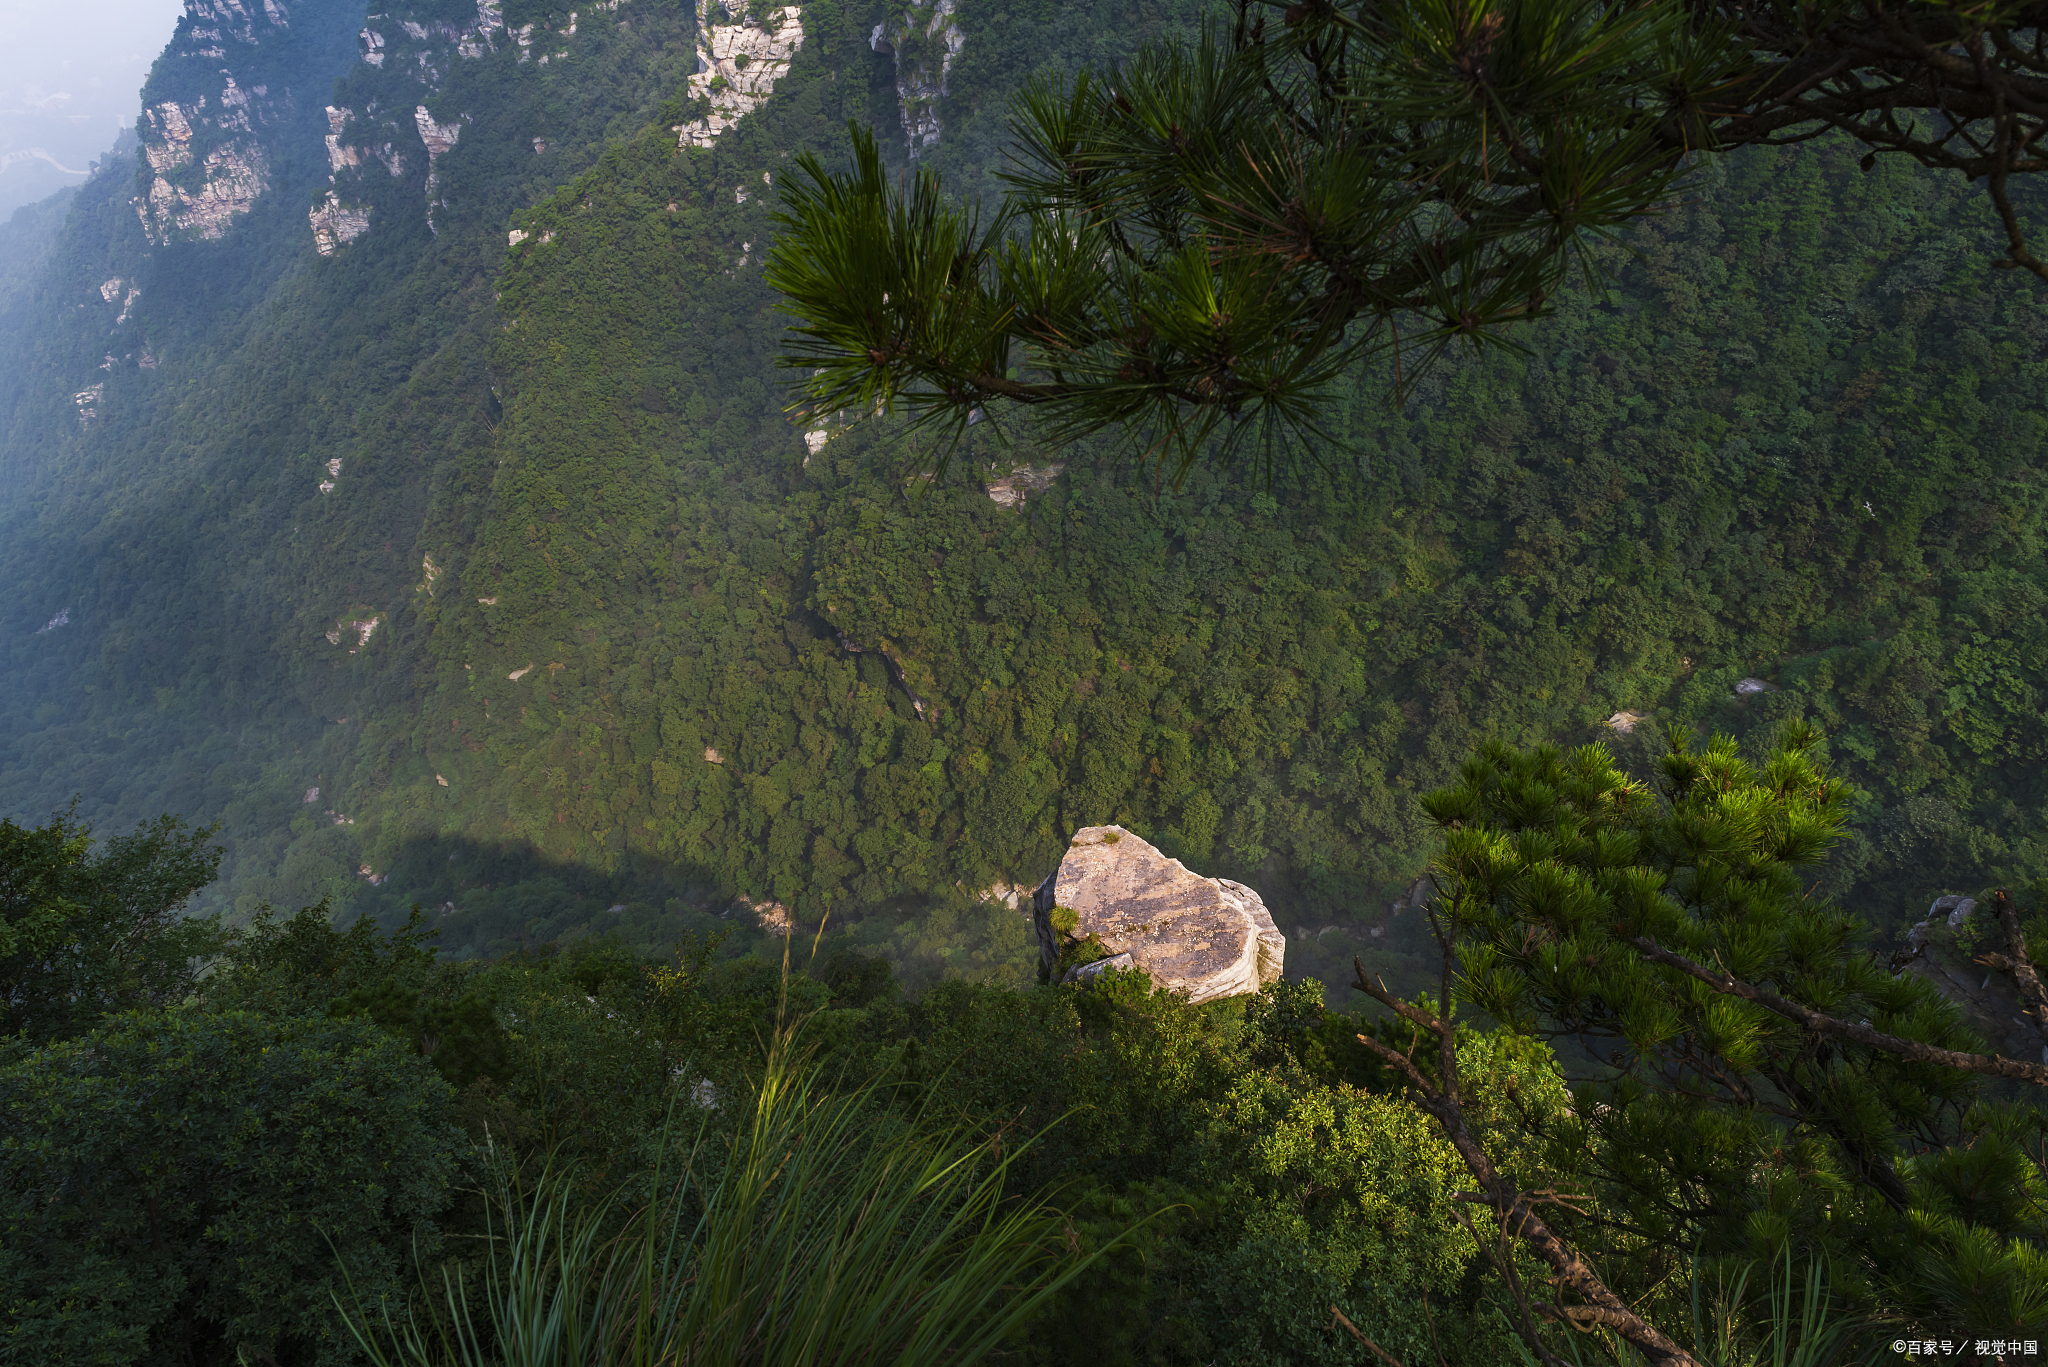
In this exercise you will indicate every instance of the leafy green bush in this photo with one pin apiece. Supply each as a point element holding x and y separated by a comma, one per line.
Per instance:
<point>190,1188</point>
<point>85,931</point>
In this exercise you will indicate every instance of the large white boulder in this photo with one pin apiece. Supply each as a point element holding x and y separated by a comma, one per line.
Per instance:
<point>1204,937</point>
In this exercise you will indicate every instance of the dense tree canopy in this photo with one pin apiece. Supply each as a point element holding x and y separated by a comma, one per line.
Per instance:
<point>474,577</point>
<point>188,1186</point>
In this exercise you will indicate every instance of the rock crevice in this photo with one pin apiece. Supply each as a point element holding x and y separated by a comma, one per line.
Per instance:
<point>925,41</point>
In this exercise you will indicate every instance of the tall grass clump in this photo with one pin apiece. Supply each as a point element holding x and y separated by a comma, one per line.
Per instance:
<point>828,1229</point>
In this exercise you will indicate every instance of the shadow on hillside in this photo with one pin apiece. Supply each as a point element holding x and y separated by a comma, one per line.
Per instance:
<point>485,901</point>
<point>488,900</point>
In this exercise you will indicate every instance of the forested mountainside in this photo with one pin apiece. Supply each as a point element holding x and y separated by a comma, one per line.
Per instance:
<point>395,471</point>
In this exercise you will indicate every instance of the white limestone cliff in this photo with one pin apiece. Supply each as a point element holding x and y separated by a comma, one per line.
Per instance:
<point>738,65</point>
<point>339,156</point>
<point>362,628</point>
<point>336,224</point>
<point>1012,489</point>
<point>439,138</point>
<point>925,41</point>
<point>231,174</point>
<point>207,166</point>
<point>425,52</point>
<point>342,155</point>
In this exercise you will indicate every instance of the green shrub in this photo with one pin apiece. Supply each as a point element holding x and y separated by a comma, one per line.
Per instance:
<point>189,1188</point>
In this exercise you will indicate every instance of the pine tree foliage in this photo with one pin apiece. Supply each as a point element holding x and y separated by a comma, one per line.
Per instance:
<point>1194,246</point>
<point>1704,1119</point>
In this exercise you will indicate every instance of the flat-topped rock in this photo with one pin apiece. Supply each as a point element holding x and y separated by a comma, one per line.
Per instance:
<point>1205,937</point>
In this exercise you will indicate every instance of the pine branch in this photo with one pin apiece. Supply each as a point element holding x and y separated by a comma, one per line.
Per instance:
<point>1993,1065</point>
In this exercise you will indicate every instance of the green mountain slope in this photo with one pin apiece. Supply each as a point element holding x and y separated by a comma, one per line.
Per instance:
<point>585,635</point>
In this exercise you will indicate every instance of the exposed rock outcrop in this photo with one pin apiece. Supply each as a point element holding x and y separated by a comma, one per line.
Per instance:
<point>1203,937</point>
<point>416,58</point>
<point>229,177</point>
<point>207,163</point>
<point>925,41</point>
<point>1015,896</point>
<point>1943,949</point>
<point>361,627</point>
<point>1012,489</point>
<point>769,915</point>
<point>222,124</point>
<point>439,138</point>
<point>359,150</point>
<point>738,65</point>
<point>336,224</point>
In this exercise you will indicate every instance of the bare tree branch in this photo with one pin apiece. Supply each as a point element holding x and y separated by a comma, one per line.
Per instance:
<point>2020,965</point>
<point>1525,1322</point>
<point>1382,1354</point>
<point>1510,1204</point>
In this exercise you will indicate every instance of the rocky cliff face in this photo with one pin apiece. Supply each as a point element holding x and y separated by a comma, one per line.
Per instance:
<point>1203,937</point>
<point>739,60</point>
<point>207,165</point>
<point>336,224</point>
<point>925,40</point>
<point>407,64</point>
<point>230,94</point>
<point>1012,489</point>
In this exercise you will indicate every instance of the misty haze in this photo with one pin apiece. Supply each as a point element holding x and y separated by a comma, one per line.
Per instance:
<point>69,81</point>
